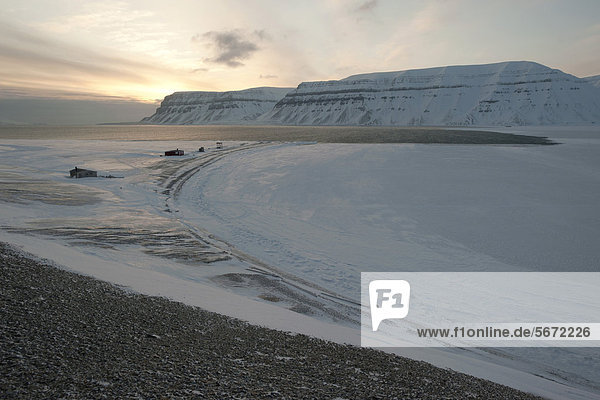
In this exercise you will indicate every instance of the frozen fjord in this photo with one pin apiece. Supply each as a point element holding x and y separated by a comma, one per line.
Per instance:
<point>327,212</point>
<point>309,207</point>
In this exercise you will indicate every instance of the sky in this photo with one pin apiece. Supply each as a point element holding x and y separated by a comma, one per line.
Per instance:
<point>136,52</point>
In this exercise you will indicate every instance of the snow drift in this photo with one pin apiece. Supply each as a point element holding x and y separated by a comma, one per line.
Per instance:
<point>594,80</point>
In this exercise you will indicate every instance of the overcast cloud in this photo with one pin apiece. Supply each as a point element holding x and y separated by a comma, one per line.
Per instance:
<point>231,47</point>
<point>367,5</point>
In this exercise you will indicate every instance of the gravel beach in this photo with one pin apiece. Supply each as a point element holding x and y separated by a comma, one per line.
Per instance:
<point>68,336</point>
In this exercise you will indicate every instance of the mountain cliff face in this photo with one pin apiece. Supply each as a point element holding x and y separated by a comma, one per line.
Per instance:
<point>508,93</point>
<point>233,107</point>
<point>519,93</point>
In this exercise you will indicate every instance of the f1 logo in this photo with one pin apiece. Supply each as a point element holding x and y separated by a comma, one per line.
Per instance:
<point>388,299</point>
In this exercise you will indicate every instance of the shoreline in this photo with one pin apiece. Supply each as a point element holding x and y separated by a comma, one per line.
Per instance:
<point>281,133</point>
<point>71,336</point>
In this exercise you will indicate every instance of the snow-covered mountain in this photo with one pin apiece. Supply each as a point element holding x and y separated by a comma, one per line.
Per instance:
<point>594,80</point>
<point>216,107</point>
<point>507,93</point>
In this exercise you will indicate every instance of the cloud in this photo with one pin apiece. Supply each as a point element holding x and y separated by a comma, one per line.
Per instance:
<point>28,59</point>
<point>33,63</point>
<point>98,66</point>
<point>268,76</point>
<point>367,6</point>
<point>117,23</point>
<point>27,47</point>
<point>261,34</point>
<point>231,47</point>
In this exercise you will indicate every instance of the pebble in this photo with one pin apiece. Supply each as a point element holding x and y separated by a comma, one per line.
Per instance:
<point>69,336</point>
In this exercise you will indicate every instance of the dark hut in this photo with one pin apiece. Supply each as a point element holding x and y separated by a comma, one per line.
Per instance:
<point>174,152</point>
<point>83,173</point>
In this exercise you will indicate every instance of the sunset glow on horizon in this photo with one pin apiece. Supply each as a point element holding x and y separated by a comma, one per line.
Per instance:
<point>144,50</point>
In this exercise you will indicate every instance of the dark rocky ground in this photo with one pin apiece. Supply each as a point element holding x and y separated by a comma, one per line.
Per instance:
<point>64,335</point>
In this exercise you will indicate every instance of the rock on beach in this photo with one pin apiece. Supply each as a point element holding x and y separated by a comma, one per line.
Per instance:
<point>64,335</point>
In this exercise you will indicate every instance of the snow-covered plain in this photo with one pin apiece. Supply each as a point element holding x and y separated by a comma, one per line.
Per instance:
<point>405,207</point>
<point>314,216</point>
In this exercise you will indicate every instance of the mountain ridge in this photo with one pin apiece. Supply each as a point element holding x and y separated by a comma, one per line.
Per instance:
<point>203,107</point>
<point>505,93</point>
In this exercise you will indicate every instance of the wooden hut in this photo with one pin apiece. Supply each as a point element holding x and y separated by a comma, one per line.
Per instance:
<point>174,152</point>
<point>83,173</point>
